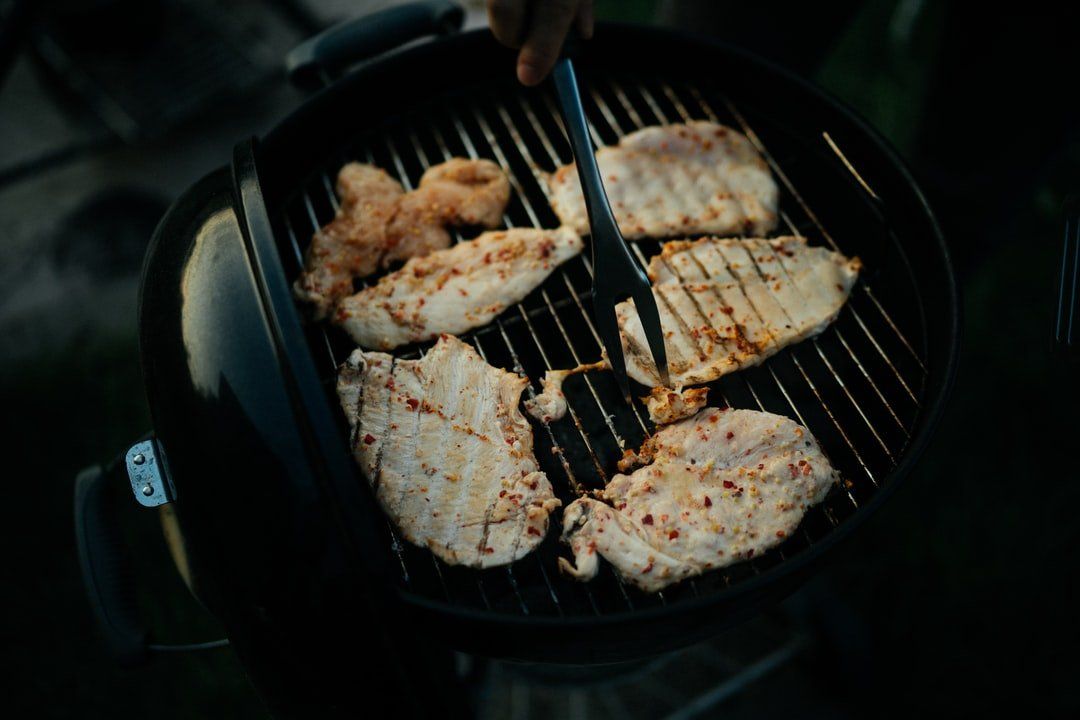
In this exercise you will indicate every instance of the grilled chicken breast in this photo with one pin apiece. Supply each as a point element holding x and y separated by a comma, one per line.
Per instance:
<point>453,290</point>
<point>673,180</point>
<point>353,243</point>
<point>378,223</point>
<point>447,452</point>
<point>726,304</point>
<point>721,487</point>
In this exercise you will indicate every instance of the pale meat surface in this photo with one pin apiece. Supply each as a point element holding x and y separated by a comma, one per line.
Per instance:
<point>447,452</point>
<point>378,223</point>
<point>550,403</point>
<point>727,304</point>
<point>672,180</point>
<point>453,290</point>
<point>721,487</point>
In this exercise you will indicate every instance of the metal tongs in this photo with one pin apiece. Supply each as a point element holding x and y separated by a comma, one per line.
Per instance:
<point>615,272</point>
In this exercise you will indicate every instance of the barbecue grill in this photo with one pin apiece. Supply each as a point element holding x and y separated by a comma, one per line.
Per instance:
<point>284,540</point>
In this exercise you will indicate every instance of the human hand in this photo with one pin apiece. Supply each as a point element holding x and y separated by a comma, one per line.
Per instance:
<point>538,29</point>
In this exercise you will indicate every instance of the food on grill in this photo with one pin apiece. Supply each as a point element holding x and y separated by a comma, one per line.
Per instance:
<point>550,404</point>
<point>672,180</point>
<point>379,223</point>
<point>727,304</point>
<point>447,452</point>
<point>720,487</point>
<point>666,406</point>
<point>453,290</point>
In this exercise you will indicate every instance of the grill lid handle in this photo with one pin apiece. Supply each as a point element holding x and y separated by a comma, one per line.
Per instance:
<point>315,62</point>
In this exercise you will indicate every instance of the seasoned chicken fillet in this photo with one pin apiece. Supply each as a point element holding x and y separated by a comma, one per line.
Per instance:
<point>453,290</point>
<point>378,223</point>
<point>447,452</point>
<point>672,180</point>
<point>353,243</point>
<point>720,487</point>
<point>727,304</point>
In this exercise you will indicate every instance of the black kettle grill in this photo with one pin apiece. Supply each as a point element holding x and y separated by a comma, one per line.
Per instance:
<point>323,603</point>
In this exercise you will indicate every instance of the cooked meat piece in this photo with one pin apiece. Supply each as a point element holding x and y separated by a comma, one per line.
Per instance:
<point>721,487</point>
<point>673,180</point>
<point>453,290</point>
<point>727,304</point>
<point>378,223</point>
<point>353,243</point>
<point>550,404</point>
<point>447,452</point>
<point>456,192</point>
<point>667,406</point>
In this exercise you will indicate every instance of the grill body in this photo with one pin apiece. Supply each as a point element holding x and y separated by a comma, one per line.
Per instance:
<point>285,542</point>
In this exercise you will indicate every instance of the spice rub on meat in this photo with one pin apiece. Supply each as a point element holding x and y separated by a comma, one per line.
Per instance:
<point>727,304</point>
<point>378,223</point>
<point>447,452</point>
<point>453,290</point>
<point>720,487</point>
<point>674,180</point>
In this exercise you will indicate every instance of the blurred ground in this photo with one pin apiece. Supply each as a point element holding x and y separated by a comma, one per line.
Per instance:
<point>954,598</point>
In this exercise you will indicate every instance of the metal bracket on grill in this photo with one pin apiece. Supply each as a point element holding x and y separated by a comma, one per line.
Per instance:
<point>149,481</point>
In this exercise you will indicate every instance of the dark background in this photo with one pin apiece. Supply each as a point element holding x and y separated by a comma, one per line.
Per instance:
<point>958,596</point>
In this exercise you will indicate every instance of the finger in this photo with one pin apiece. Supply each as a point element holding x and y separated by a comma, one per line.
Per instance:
<point>548,26</point>
<point>585,20</point>
<point>507,20</point>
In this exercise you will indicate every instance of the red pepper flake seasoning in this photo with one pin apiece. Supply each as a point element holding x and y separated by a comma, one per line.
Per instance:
<point>502,493</point>
<point>730,435</point>
<point>708,502</point>
<point>750,553</point>
<point>489,550</point>
<point>761,466</point>
<point>780,533</point>
<point>793,469</point>
<point>368,439</point>
<point>648,568</point>
<point>801,463</point>
<point>413,403</point>
<point>647,520</point>
<point>713,418</point>
<point>390,384</point>
<point>728,484</point>
<point>533,531</point>
<point>807,470</point>
<point>727,310</point>
<point>673,534</point>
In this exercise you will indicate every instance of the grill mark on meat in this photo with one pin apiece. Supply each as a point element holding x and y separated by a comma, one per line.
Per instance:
<point>750,303</point>
<point>766,327</point>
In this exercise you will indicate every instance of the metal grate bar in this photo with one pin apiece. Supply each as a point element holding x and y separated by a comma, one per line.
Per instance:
<point>756,140</point>
<point>497,150</point>
<point>658,112</point>
<point>618,132</point>
<point>829,383</point>
<point>681,110</point>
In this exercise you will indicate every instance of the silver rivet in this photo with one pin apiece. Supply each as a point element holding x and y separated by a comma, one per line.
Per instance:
<point>139,460</point>
<point>148,490</point>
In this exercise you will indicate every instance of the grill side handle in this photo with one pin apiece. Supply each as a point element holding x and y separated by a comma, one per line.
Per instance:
<point>315,62</point>
<point>105,559</point>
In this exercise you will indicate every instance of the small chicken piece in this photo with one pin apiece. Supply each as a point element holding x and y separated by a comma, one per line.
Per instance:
<point>454,193</point>
<point>447,452</point>
<point>727,304</point>
<point>666,406</point>
<point>550,404</point>
<point>378,223</point>
<point>353,243</point>
<point>720,487</point>
<point>453,290</point>
<point>680,179</point>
